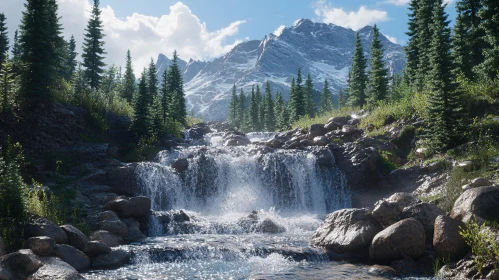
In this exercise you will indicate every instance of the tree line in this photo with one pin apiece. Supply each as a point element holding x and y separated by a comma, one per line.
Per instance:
<point>43,69</point>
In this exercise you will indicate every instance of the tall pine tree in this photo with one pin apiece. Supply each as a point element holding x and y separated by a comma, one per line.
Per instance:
<point>297,99</point>
<point>71,62</point>
<point>342,98</point>
<point>178,107</point>
<point>358,79</point>
<point>412,47</point>
<point>59,45</point>
<point>141,123</point>
<point>253,110</point>
<point>241,112</point>
<point>424,37</point>
<point>490,24</point>
<point>152,83</point>
<point>326,103</point>
<point>443,101</point>
<point>4,39</point>
<point>281,112</point>
<point>93,47</point>
<point>268,109</point>
<point>377,86</point>
<point>6,86</point>
<point>233,107</point>
<point>128,90</point>
<point>308,93</point>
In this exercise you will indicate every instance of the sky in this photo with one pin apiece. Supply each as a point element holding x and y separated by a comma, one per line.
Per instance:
<point>207,29</point>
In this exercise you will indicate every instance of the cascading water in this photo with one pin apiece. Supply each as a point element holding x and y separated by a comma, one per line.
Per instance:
<point>224,237</point>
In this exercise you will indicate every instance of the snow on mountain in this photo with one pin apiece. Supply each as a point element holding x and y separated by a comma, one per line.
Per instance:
<point>323,50</point>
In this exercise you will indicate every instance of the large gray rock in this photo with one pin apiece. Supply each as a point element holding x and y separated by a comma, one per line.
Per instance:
<point>447,241</point>
<point>180,164</point>
<point>41,245</point>
<point>335,123</point>
<point>44,227</point>
<point>19,265</point>
<point>134,207</point>
<point>346,230</point>
<point>95,248</point>
<point>269,226</point>
<point>73,256</point>
<point>236,140</point>
<point>388,211</point>
<point>316,130</point>
<point>426,213</point>
<point>133,229</point>
<point>481,202</point>
<point>55,269</point>
<point>107,238</point>
<point>405,238</point>
<point>110,222</point>
<point>116,258</point>
<point>123,180</point>
<point>76,238</point>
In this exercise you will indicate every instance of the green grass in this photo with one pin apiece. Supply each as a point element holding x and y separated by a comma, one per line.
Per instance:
<point>193,120</point>
<point>386,162</point>
<point>305,122</point>
<point>483,245</point>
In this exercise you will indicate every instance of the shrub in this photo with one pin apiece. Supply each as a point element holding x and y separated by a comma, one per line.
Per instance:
<point>483,245</point>
<point>386,162</point>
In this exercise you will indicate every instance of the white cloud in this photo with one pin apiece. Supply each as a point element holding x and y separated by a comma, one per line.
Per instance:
<point>405,2</point>
<point>350,19</point>
<point>146,36</point>
<point>279,30</point>
<point>391,39</point>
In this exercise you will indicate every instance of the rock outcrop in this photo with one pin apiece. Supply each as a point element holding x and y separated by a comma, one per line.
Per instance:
<point>481,203</point>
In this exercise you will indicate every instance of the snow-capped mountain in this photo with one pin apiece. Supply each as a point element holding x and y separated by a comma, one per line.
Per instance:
<point>323,50</point>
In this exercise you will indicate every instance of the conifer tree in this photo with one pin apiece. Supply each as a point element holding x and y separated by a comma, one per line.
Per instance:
<point>16,54</point>
<point>268,108</point>
<point>141,123</point>
<point>80,85</point>
<point>152,83</point>
<point>297,98</point>
<point>59,45</point>
<point>377,86</point>
<point>281,112</point>
<point>253,110</point>
<point>241,108</point>
<point>158,125</point>
<point>71,62</point>
<point>412,47</point>
<point>358,79</point>
<point>443,109</point>
<point>4,39</point>
<point>233,107</point>
<point>342,98</point>
<point>326,104</point>
<point>490,24</point>
<point>93,47</point>
<point>468,39</point>
<point>308,92</point>
<point>128,91</point>
<point>178,107</point>
<point>424,37</point>
<point>259,101</point>
<point>6,85</point>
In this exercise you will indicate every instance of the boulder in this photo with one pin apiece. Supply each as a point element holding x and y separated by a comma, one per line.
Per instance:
<point>116,258</point>
<point>346,230</point>
<point>236,140</point>
<point>426,213</point>
<point>76,238</point>
<point>41,245</point>
<point>44,227</point>
<point>55,269</point>
<point>269,226</point>
<point>133,207</point>
<point>123,180</point>
<point>110,222</point>
<point>447,241</point>
<point>405,238</point>
<point>307,143</point>
<point>350,129</point>
<point>180,164</point>
<point>320,141</point>
<point>95,248</point>
<point>316,130</point>
<point>19,265</point>
<point>335,123</point>
<point>388,211</point>
<point>107,238</point>
<point>133,230</point>
<point>481,202</point>
<point>72,256</point>
<point>178,216</point>
<point>480,182</point>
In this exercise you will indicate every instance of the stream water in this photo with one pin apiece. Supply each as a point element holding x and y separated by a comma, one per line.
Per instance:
<point>219,190</point>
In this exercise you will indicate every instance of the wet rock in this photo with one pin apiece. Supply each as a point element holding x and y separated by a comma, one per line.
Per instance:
<point>122,180</point>
<point>55,269</point>
<point>307,143</point>
<point>269,226</point>
<point>406,267</point>
<point>346,230</point>
<point>384,271</point>
<point>180,164</point>
<point>316,130</point>
<point>178,216</point>
<point>134,233</point>
<point>76,238</point>
<point>481,202</point>
<point>426,213</point>
<point>405,238</point>
<point>107,238</point>
<point>44,227</point>
<point>110,222</point>
<point>293,144</point>
<point>19,265</point>
<point>320,141</point>
<point>116,258</point>
<point>95,248</point>
<point>388,211</point>
<point>41,245</point>
<point>236,140</point>
<point>350,129</point>
<point>72,256</point>
<point>447,241</point>
<point>275,143</point>
<point>134,207</point>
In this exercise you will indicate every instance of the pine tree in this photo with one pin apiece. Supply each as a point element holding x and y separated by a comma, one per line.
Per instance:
<point>281,112</point>
<point>310,107</point>
<point>468,39</point>
<point>178,107</point>
<point>259,101</point>
<point>297,98</point>
<point>6,85</point>
<point>241,109</point>
<point>141,124</point>
<point>4,39</point>
<point>39,53</point>
<point>128,91</point>
<point>268,109</point>
<point>253,111</point>
<point>358,79</point>
<point>490,24</point>
<point>93,47</point>
<point>152,83</point>
<point>412,48</point>
<point>80,86</point>
<point>377,86</point>
<point>233,107</point>
<point>59,46</point>
<point>71,62</point>
<point>158,125</point>
<point>326,104</point>
<point>16,54</point>
<point>342,99</point>
<point>424,37</point>
<point>443,109</point>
